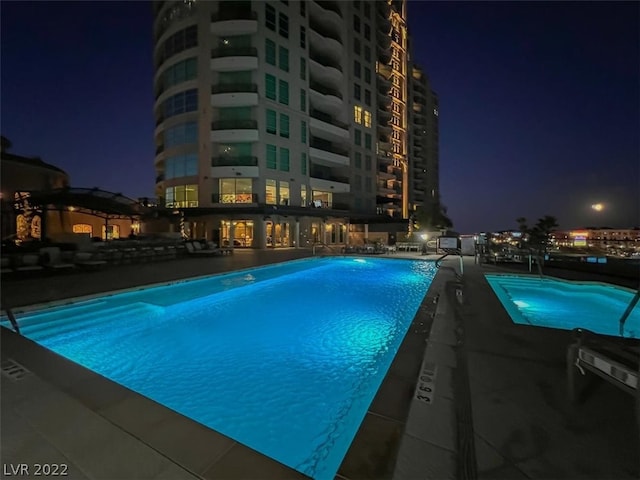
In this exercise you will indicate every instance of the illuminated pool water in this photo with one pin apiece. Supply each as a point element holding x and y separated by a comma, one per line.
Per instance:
<point>566,305</point>
<point>285,359</point>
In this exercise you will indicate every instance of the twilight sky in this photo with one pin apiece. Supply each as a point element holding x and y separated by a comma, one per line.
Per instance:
<point>539,102</point>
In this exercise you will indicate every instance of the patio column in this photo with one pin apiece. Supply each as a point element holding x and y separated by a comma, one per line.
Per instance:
<point>232,231</point>
<point>296,234</point>
<point>260,233</point>
<point>366,232</point>
<point>346,237</point>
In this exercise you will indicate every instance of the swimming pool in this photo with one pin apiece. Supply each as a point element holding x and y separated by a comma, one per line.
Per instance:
<point>285,359</point>
<point>566,305</point>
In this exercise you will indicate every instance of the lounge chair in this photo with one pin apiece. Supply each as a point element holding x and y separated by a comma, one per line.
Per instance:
<point>6,265</point>
<point>28,262</point>
<point>195,249</point>
<point>52,259</point>
<point>88,260</point>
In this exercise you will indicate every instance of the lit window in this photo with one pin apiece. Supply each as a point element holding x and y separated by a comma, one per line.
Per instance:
<point>82,228</point>
<point>367,119</point>
<point>357,114</point>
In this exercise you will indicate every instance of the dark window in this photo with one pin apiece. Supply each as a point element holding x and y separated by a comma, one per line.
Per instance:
<point>367,53</point>
<point>367,9</point>
<point>367,75</point>
<point>367,31</point>
<point>283,25</point>
<point>270,17</point>
<point>356,23</point>
<point>356,46</point>
<point>356,91</point>
<point>367,97</point>
<point>303,37</point>
<point>303,8</point>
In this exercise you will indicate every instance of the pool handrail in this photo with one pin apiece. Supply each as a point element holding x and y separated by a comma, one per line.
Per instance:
<point>452,251</point>
<point>12,319</point>
<point>628,311</point>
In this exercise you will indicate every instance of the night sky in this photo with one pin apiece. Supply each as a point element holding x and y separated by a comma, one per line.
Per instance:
<point>539,102</point>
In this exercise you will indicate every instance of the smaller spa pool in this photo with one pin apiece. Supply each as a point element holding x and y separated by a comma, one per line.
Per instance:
<point>554,303</point>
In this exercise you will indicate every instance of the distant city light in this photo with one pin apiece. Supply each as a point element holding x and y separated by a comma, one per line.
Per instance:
<point>598,207</point>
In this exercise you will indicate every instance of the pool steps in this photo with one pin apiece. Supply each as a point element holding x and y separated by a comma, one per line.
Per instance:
<point>56,326</point>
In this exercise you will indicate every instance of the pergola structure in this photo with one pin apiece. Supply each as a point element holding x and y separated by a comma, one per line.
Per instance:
<point>92,201</point>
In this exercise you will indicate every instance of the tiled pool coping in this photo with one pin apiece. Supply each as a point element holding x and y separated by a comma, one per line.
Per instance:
<point>204,453</point>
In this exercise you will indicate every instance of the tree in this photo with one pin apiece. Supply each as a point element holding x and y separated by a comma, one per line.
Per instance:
<point>538,236</point>
<point>431,218</point>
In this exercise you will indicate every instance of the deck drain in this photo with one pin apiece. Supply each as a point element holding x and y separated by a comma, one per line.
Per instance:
<point>13,370</point>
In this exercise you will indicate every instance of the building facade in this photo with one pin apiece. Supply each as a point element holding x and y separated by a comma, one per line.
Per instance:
<point>424,151</point>
<point>280,123</point>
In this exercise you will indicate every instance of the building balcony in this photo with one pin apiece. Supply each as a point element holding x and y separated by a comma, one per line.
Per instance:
<point>384,41</point>
<point>327,75</point>
<point>384,115</point>
<point>234,198</point>
<point>384,9</point>
<point>240,161</point>
<point>384,99</point>
<point>330,184</point>
<point>234,131</point>
<point>326,127</point>
<point>385,129</point>
<point>160,178</point>
<point>384,56</point>
<point>234,22</point>
<point>328,18</point>
<point>234,95</point>
<point>331,6</point>
<point>324,42</point>
<point>228,59</point>
<point>385,173</point>
<point>383,24</point>
<point>384,71</point>
<point>325,99</point>
<point>327,153</point>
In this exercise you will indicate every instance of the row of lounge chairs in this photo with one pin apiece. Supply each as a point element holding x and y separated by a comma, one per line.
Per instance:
<point>53,259</point>
<point>50,259</point>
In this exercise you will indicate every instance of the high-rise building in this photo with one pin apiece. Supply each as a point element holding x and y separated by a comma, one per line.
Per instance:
<point>278,123</point>
<point>424,191</point>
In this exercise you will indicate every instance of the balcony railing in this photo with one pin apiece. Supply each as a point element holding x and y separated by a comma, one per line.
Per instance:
<point>241,161</point>
<point>224,15</point>
<point>234,52</point>
<point>234,125</point>
<point>330,205</point>
<point>323,175</point>
<point>324,61</point>
<point>327,147</point>
<point>324,31</point>
<point>325,90</point>
<point>160,178</point>
<point>235,88</point>
<point>159,149</point>
<point>331,6</point>
<point>325,117</point>
<point>231,198</point>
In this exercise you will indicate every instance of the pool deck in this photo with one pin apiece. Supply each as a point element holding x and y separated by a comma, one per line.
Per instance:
<point>496,408</point>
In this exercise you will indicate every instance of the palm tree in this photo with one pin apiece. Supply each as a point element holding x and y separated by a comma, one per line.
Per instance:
<point>538,236</point>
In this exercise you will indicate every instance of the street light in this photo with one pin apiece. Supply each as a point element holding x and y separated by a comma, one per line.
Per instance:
<point>598,207</point>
